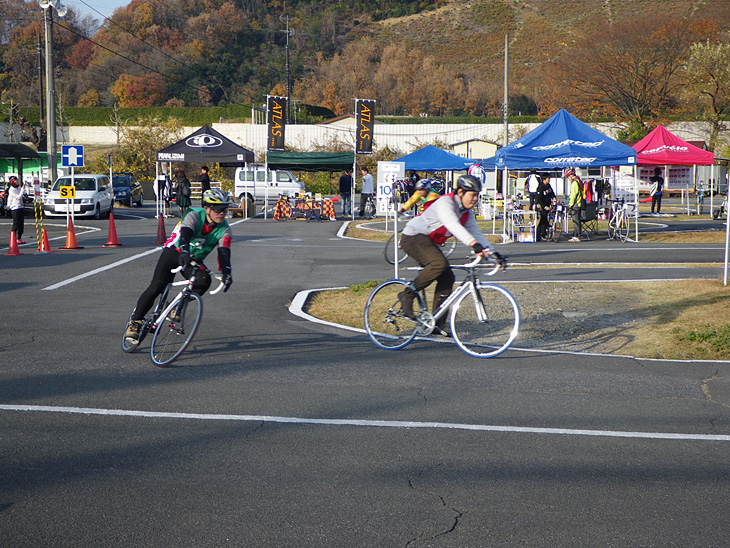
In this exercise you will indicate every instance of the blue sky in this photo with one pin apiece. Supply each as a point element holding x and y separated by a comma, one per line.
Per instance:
<point>105,7</point>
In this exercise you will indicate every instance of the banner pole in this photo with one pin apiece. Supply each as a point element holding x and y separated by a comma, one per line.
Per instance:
<point>354,168</point>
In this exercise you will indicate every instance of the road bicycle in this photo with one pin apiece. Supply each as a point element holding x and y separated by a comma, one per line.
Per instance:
<point>618,224</point>
<point>447,248</point>
<point>722,210</point>
<point>174,322</point>
<point>556,222</point>
<point>370,207</point>
<point>484,317</point>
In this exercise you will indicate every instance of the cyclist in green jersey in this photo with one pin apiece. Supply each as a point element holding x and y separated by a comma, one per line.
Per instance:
<point>199,232</point>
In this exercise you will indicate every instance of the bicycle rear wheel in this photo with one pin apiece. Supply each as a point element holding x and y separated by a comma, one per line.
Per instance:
<point>389,252</point>
<point>384,321</point>
<point>485,322</point>
<point>449,246</point>
<point>623,228</point>
<point>173,335</point>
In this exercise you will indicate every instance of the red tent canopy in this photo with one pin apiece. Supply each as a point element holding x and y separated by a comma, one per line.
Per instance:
<point>662,148</point>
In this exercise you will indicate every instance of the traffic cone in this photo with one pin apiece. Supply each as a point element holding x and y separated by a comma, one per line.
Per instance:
<point>113,240</point>
<point>45,246</point>
<point>161,237</point>
<point>13,250</point>
<point>70,237</point>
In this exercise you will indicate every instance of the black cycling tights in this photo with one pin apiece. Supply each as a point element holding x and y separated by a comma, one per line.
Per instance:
<point>162,277</point>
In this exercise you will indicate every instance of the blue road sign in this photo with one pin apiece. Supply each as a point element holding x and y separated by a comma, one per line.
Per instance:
<point>72,156</point>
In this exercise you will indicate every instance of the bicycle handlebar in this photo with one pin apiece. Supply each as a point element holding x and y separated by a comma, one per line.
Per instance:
<point>221,285</point>
<point>476,261</point>
<point>196,264</point>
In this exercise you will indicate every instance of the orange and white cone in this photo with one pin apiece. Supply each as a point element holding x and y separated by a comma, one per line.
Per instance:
<point>70,237</point>
<point>113,241</point>
<point>13,250</point>
<point>45,246</point>
<point>161,237</point>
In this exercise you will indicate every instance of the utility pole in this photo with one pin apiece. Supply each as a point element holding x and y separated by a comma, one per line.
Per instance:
<point>288,78</point>
<point>48,7</point>
<point>505,104</point>
<point>39,61</point>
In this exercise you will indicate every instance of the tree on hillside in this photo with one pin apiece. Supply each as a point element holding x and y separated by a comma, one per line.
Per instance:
<point>140,142</point>
<point>708,84</point>
<point>629,68</point>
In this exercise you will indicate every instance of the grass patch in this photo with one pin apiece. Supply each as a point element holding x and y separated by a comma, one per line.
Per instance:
<point>684,319</point>
<point>704,237</point>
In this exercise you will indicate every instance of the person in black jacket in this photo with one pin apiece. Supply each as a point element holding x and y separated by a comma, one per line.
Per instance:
<point>204,182</point>
<point>545,199</point>
<point>345,192</point>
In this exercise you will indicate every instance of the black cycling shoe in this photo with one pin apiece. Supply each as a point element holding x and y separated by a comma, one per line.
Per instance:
<point>406,302</point>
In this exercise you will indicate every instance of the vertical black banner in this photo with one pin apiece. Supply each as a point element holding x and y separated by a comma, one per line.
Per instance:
<point>365,124</point>
<point>275,116</point>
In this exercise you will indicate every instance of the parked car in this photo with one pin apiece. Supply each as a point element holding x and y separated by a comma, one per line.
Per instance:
<point>254,182</point>
<point>127,190</point>
<point>94,196</point>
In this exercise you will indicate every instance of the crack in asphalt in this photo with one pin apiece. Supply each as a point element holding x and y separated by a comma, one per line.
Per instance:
<point>458,514</point>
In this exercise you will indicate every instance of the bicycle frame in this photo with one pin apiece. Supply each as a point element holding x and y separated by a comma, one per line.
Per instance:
<point>471,283</point>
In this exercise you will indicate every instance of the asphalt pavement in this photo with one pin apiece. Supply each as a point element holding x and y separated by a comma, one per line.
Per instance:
<point>274,431</point>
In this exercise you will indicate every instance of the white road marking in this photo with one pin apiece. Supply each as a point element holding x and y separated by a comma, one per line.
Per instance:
<point>101,269</point>
<point>370,423</point>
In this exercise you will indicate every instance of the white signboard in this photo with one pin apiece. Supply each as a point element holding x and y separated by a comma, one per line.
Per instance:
<point>388,174</point>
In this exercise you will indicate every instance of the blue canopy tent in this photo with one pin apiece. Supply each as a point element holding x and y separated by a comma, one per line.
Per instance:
<point>431,158</point>
<point>562,141</point>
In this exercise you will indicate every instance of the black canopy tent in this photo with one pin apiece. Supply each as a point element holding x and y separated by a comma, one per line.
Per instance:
<point>18,152</point>
<point>204,146</point>
<point>310,161</point>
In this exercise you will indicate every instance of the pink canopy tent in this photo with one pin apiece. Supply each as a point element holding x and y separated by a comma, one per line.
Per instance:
<point>662,148</point>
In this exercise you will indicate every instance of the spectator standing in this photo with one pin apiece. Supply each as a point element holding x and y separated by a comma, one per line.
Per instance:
<point>345,192</point>
<point>599,191</point>
<point>367,189</point>
<point>575,203</point>
<point>182,190</point>
<point>657,185</point>
<point>545,201</point>
<point>163,192</point>
<point>16,207</point>
<point>204,183</point>
<point>532,183</point>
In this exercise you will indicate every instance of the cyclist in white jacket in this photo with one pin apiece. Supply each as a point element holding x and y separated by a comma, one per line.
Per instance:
<point>422,238</point>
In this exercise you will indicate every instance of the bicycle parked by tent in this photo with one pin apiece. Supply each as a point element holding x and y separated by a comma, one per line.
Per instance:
<point>619,223</point>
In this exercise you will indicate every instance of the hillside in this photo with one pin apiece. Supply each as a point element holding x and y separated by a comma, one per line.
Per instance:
<point>426,57</point>
<point>469,36</point>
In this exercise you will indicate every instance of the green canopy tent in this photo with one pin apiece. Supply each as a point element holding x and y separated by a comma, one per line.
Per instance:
<point>310,161</point>
<point>18,152</point>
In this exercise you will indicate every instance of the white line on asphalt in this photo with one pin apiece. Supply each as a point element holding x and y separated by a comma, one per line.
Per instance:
<point>370,423</point>
<point>102,269</point>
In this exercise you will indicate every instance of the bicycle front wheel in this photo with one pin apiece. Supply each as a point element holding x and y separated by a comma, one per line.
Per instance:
<point>555,229</point>
<point>484,322</point>
<point>385,322</point>
<point>173,334</point>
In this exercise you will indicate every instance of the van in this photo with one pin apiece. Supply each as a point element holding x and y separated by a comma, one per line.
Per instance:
<point>250,184</point>
<point>94,196</point>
